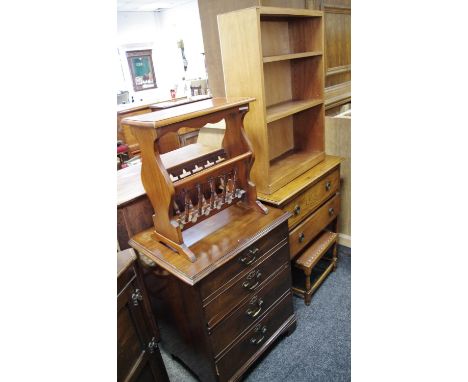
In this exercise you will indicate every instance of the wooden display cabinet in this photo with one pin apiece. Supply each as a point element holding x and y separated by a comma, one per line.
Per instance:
<point>276,56</point>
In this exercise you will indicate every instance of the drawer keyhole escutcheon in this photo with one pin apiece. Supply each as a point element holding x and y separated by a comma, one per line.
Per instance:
<point>252,281</point>
<point>331,211</point>
<point>301,237</point>
<point>328,185</point>
<point>250,256</point>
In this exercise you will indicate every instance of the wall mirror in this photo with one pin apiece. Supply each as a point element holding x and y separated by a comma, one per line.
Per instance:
<point>142,70</point>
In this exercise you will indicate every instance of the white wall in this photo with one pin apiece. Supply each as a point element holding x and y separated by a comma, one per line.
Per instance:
<point>160,32</point>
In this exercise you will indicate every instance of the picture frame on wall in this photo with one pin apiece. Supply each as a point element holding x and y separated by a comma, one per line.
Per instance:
<point>141,67</point>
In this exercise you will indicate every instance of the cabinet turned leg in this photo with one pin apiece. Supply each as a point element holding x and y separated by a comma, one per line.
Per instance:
<point>308,287</point>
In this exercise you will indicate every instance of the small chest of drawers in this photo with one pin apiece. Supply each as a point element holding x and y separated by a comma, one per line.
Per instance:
<point>313,199</point>
<point>220,313</point>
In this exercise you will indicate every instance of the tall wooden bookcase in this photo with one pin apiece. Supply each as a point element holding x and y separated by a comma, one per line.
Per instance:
<point>276,56</point>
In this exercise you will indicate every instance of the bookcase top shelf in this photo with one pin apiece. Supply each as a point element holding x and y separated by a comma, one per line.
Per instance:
<point>292,56</point>
<point>277,11</point>
<point>281,12</point>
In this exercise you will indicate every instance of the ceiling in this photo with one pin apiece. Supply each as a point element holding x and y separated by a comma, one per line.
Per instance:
<point>147,5</point>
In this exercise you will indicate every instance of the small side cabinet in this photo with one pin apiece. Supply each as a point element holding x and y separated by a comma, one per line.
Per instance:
<point>138,356</point>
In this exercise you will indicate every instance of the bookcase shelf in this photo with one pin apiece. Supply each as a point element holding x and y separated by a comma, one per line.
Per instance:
<point>276,55</point>
<point>286,108</point>
<point>291,56</point>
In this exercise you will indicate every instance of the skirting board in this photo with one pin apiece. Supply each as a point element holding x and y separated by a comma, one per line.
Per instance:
<point>344,240</point>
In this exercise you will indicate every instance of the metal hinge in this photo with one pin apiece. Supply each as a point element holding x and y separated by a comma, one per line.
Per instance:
<point>152,345</point>
<point>136,296</point>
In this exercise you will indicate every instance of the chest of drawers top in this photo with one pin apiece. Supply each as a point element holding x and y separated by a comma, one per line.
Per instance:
<point>302,183</point>
<point>234,231</point>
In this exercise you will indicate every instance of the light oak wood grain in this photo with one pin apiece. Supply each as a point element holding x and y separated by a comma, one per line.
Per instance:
<point>296,187</point>
<point>291,85</point>
<point>338,142</point>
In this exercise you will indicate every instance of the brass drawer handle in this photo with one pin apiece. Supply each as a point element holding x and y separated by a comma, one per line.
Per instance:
<point>252,281</point>
<point>258,340</point>
<point>328,185</point>
<point>297,210</point>
<point>252,312</point>
<point>331,211</point>
<point>250,257</point>
<point>301,237</point>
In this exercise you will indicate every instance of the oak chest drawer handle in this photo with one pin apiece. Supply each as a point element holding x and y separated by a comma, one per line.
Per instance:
<point>328,185</point>
<point>331,211</point>
<point>297,210</point>
<point>258,340</point>
<point>250,257</point>
<point>253,279</point>
<point>301,237</point>
<point>251,312</point>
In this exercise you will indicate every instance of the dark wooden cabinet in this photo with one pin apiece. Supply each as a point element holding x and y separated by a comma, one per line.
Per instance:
<point>220,325</point>
<point>138,356</point>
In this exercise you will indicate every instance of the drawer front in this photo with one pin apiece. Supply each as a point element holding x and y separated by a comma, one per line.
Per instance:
<point>251,311</point>
<point>301,236</point>
<point>245,286</point>
<point>246,260</point>
<point>311,198</point>
<point>254,339</point>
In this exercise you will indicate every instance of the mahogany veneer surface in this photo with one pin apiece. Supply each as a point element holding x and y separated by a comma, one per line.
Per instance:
<point>214,241</point>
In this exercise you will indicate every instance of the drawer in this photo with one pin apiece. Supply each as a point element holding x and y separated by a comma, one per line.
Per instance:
<point>246,260</point>
<point>251,311</point>
<point>313,197</point>
<point>254,339</point>
<point>245,286</point>
<point>301,236</point>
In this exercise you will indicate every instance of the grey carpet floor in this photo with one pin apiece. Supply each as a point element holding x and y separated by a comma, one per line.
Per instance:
<point>319,350</point>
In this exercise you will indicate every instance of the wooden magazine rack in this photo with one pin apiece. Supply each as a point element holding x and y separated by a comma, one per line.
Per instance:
<point>196,189</point>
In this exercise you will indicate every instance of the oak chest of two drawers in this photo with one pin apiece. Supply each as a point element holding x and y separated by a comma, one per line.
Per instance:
<point>313,199</point>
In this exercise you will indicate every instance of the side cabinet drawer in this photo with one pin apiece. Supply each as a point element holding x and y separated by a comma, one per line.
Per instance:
<point>307,230</point>
<point>254,339</point>
<point>251,311</point>
<point>244,286</point>
<point>311,198</point>
<point>246,260</point>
